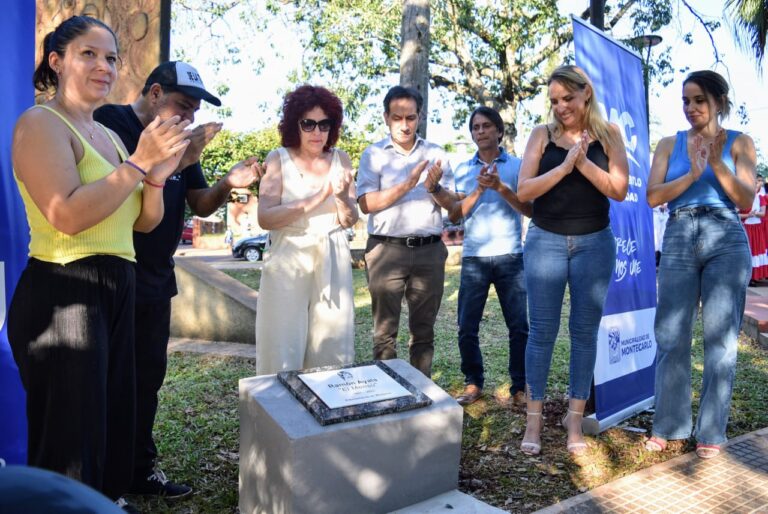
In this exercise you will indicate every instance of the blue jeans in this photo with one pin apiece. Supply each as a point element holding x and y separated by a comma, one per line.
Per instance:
<point>585,263</point>
<point>505,272</point>
<point>706,258</point>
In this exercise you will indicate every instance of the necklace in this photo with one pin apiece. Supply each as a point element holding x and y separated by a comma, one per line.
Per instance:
<point>90,129</point>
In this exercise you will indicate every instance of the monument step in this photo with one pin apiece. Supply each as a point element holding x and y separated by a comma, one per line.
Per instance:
<point>450,502</point>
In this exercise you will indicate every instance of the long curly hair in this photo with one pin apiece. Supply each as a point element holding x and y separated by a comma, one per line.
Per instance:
<point>299,102</point>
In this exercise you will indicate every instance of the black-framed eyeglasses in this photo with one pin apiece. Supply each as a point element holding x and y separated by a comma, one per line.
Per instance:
<point>308,125</point>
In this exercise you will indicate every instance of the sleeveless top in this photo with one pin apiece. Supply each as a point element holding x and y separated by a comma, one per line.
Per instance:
<point>706,191</point>
<point>321,219</point>
<point>111,236</point>
<point>573,206</point>
<point>318,231</point>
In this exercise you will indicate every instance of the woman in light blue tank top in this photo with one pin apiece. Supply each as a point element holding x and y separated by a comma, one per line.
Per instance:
<point>705,174</point>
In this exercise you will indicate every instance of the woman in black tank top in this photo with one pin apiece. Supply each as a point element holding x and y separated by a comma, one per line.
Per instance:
<point>571,167</point>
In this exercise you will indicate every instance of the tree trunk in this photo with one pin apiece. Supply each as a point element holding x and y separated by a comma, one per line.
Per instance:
<point>414,53</point>
<point>508,113</point>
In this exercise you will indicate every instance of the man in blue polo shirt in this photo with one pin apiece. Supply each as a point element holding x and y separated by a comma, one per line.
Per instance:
<point>492,254</point>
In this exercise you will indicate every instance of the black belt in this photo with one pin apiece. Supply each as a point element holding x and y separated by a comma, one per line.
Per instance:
<point>410,241</point>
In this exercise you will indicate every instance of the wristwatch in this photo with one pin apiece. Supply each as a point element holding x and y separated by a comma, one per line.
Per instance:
<point>435,189</point>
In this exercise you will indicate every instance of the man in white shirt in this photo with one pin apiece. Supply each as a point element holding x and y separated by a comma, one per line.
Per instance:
<point>402,183</point>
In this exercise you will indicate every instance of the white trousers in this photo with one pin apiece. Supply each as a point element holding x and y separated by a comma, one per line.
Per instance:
<point>305,311</point>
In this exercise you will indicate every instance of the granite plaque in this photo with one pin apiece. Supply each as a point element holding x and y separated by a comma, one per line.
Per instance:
<point>353,386</point>
<point>336,394</point>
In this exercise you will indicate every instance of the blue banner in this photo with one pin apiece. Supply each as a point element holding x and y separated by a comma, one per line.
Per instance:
<point>626,346</point>
<point>18,26</point>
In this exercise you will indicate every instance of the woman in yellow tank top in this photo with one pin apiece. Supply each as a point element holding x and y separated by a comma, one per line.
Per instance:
<point>70,323</point>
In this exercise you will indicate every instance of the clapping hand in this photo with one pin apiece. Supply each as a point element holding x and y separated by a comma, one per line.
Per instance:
<point>245,173</point>
<point>340,181</point>
<point>434,175</point>
<point>483,171</point>
<point>415,175</point>
<point>162,143</point>
<point>578,152</point>
<point>199,137</point>
<point>698,153</point>
<point>489,178</point>
<point>584,144</point>
<point>715,147</point>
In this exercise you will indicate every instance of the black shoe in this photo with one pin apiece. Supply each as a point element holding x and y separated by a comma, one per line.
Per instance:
<point>156,484</point>
<point>127,507</point>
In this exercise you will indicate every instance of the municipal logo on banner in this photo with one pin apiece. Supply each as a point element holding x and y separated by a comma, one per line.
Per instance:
<point>614,345</point>
<point>626,343</point>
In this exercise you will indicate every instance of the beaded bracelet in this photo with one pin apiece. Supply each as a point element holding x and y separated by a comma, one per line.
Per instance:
<point>153,184</point>
<point>134,166</point>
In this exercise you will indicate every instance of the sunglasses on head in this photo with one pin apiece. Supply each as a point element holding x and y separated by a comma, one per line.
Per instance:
<point>308,125</point>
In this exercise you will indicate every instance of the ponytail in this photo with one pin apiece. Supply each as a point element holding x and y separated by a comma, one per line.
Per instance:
<point>44,76</point>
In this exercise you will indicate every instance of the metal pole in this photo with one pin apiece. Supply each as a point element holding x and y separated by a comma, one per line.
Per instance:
<point>597,14</point>
<point>646,79</point>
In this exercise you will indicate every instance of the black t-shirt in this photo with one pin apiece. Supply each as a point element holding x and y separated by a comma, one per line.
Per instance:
<point>573,206</point>
<point>155,279</point>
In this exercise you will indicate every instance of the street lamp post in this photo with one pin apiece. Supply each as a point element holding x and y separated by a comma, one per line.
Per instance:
<point>647,41</point>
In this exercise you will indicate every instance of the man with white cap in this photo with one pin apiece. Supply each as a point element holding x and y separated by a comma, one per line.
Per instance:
<point>173,88</point>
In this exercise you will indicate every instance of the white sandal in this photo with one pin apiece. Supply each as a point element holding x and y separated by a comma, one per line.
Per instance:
<point>529,447</point>
<point>579,447</point>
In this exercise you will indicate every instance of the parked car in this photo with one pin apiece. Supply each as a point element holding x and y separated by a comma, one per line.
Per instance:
<point>186,232</point>
<point>251,248</point>
<point>453,233</point>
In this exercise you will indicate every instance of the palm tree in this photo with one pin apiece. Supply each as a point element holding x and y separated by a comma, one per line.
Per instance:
<point>750,19</point>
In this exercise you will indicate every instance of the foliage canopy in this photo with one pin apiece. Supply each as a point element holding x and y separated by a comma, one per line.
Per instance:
<point>495,53</point>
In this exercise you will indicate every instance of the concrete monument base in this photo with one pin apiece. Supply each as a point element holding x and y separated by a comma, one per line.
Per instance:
<point>289,463</point>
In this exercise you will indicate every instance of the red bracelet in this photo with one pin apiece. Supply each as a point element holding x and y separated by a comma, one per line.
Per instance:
<point>154,184</point>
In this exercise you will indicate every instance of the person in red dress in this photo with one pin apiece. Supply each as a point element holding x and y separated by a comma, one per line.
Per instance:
<point>754,224</point>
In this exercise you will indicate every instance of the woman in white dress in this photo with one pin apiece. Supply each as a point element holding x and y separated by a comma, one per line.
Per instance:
<point>305,314</point>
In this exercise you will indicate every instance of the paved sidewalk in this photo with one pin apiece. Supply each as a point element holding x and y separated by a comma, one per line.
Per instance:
<point>736,481</point>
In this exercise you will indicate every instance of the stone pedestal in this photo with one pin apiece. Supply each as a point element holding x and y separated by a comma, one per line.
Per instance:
<point>289,463</point>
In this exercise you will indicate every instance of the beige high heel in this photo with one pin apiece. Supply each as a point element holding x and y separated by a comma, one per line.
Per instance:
<point>529,447</point>
<point>579,447</point>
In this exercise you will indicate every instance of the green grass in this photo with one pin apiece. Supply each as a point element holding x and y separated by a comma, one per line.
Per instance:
<point>197,424</point>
